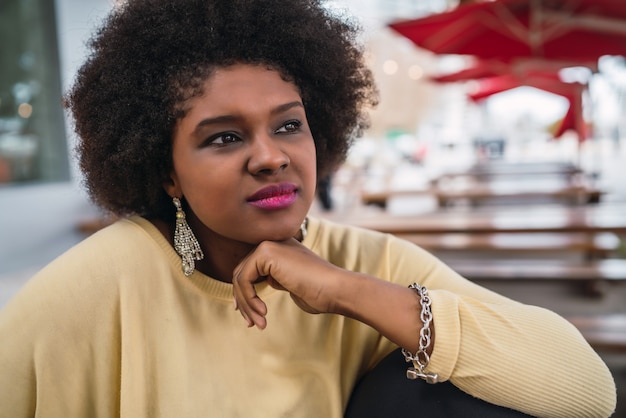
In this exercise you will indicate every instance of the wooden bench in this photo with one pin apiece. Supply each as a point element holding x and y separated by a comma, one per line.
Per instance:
<point>591,277</point>
<point>589,219</point>
<point>570,194</point>
<point>592,246</point>
<point>380,197</point>
<point>573,195</point>
<point>491,170</point>
<point>610,270</point>
<point>605,332</point>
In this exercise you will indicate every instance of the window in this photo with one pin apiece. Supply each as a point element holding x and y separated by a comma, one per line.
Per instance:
<point>33,145</point>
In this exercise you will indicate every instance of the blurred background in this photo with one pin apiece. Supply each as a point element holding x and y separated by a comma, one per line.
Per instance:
<point>499,145</point>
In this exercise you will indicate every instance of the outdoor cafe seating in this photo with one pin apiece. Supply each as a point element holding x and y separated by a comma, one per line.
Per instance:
<point>497,182</point>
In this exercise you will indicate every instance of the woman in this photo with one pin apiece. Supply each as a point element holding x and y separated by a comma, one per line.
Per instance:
<point>208,122</point>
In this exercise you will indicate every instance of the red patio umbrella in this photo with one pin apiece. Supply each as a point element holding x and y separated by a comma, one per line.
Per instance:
<point>495,76</point>
<point>521,68</point>
<point>573,92</point>
<point>551,83</point>
<point>578,30</point>
<point>570,122</point>
<point>487,87</point>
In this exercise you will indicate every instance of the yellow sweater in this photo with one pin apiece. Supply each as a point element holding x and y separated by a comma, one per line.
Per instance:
<point>113,328</point>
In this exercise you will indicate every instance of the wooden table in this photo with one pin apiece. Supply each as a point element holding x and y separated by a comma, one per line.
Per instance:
<point>612,270</point>
<point>590,219</point>
<point>573,195</point>
<point>490,170</point>
<point>590,246</point>
<point>475,194</point>
<point>498,181</point>
<point>603,332</point>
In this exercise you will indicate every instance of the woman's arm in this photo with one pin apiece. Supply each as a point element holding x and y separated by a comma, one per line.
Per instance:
<point>505,352</point>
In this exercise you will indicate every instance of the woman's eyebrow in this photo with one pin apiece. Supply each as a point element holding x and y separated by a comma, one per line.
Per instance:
<point>287,106</point>
<point>215,120</point>
<point>233,118</point>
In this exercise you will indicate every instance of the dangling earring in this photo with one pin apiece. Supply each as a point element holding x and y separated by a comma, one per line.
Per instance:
<point>185,243</point>
<point>303,229</point>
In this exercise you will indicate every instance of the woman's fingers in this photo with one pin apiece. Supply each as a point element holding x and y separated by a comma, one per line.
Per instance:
<point>253,316</point>
<point>251,307</point>
<point>246,274</point>
<point>286,266</point>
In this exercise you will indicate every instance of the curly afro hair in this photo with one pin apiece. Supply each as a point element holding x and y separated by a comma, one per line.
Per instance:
<point>151,56</point>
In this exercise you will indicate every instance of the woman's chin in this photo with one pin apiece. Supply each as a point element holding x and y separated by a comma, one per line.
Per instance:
<point>278,235</point>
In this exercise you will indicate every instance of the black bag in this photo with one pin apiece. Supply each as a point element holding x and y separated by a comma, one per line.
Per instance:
<point>385,392</point>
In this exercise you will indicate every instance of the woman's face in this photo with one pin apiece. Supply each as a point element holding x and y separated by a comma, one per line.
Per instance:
<point>244,158</point>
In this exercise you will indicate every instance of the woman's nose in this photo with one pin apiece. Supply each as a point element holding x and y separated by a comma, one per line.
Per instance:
<point>266,157</point>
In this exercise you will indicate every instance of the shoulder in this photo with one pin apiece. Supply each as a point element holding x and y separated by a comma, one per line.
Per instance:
<point>118,246</point>
<point>362,249</point>
<point>132,234</point>
<point>89,275</point>
<point>105,254</point>
<point>324,233</point>
<point>69,315</point>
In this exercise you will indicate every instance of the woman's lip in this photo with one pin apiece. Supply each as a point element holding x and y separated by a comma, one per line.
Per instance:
<point>273,191</point>
<point>278,196</point>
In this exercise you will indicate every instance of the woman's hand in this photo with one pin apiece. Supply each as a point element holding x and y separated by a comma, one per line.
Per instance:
<point>318,286</point>
<point>288,266</point>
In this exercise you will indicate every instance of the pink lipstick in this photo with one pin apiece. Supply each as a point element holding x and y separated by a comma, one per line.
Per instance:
<point>275,197</point>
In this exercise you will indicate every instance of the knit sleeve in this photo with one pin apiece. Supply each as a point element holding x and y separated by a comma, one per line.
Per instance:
<point>59,336</point>
<point>511,354</point>
<point>50,333</point>
<point>17,374</point>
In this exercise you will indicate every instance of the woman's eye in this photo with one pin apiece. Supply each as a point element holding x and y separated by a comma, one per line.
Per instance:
<point>222,139</point>
<point>291,126</point>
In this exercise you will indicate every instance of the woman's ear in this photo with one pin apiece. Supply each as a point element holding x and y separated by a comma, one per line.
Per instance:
<point>171,186</point>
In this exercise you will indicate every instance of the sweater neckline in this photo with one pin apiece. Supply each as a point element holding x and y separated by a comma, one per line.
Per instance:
<point>205,283</point>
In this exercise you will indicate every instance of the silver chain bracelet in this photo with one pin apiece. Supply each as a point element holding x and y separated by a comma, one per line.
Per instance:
<point>421,358</point>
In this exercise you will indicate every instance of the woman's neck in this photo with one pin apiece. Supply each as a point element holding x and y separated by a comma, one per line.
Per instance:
<point>221,256</point>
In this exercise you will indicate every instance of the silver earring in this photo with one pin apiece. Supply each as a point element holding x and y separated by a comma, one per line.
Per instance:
<point>185,243</point>
<point>303,228</point>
